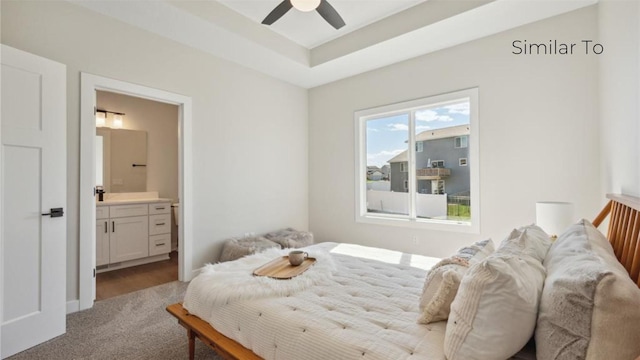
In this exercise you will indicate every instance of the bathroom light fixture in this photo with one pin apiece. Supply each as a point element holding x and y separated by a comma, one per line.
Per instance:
<point>102,117</point>
<point>117,121</point>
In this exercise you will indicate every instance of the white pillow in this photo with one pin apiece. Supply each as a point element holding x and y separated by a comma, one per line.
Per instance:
<point>590,307</point>
<point>443,280</point>
<point>532,241</point>
<point>494,313</point>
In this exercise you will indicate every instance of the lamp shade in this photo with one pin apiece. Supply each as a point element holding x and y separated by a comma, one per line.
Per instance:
<point>554,217</point>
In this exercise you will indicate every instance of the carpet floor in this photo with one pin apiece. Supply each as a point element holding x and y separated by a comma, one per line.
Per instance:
<point>132,326</point>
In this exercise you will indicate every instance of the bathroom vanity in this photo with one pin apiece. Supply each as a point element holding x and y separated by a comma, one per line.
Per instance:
<point>131,232</point>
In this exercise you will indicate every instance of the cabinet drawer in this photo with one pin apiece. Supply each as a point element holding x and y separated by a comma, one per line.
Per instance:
<point>128,210</point>
<point>102,212</point>
<point>160,224</point>
<point>159,244</point>
<point>159,208</point>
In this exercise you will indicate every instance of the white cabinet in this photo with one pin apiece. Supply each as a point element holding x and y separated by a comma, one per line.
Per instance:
<point>159,228</point>
<point>102,235</point>
<point>134,234</point>
<point>129,238</point>
<point>159,244</point>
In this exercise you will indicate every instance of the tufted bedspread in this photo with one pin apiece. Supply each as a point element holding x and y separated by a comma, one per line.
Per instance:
<point>368,311</point>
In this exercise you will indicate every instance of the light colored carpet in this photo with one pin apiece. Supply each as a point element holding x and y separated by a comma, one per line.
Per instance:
<point>130,326</point>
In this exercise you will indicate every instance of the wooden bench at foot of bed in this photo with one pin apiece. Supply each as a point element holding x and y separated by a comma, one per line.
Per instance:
<point>198,328</point>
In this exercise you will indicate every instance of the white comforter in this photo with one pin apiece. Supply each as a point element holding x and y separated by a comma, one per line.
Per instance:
<point>367,309</point>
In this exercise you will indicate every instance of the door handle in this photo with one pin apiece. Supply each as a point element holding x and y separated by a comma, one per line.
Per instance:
<point>113,226</point>
<point>106,227</point>
<point>54,212</point>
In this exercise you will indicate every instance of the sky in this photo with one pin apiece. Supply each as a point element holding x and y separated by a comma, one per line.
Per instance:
<point>386,136</point>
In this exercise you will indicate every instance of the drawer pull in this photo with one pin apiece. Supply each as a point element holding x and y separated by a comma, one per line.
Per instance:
<point>160,244</point>
<point>159,224</point>
<point>160,208</point>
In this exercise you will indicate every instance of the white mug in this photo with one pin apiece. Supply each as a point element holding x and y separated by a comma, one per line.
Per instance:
<point>297,257</point>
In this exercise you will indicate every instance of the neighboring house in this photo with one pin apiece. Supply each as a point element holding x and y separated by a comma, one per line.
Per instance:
<point>442,158</point>
<point>375,176</point>
<point>386,171</point>
<point>374,173</point>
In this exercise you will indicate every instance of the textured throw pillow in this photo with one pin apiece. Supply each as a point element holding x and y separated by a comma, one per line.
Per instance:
<point>234,248</point>
<point>531,240</point>
<point>494,313</point>
<point>590,308</point>
<point>291,238</point>
<point>443,280</point>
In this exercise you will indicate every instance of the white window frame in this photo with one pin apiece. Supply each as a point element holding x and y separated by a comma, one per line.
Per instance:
<point>411,220</point>
<point>403,167</point>
<point>420,146</point>
<point>463,162</point>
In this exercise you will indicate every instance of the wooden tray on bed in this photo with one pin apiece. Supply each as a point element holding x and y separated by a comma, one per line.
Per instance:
<point>280,268</point>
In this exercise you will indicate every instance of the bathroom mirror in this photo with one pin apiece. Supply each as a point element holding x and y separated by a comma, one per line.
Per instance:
<point>123,158</point>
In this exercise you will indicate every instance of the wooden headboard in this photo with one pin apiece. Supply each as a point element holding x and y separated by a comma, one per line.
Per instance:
<point>624,231</point>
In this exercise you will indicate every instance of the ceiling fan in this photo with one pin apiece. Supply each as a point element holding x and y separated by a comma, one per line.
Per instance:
<point>323,8</point>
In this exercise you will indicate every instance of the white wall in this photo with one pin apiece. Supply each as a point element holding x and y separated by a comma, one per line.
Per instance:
<point>619,29</point>
<point>237,115</point>
<point>538,133</point>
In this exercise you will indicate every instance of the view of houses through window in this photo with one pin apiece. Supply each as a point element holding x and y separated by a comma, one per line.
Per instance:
<point>432,182</point>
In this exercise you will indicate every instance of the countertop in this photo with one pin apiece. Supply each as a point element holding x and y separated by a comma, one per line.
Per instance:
<point>131,201</point>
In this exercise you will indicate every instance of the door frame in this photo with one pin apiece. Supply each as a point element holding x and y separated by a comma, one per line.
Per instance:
<point>87,257</point>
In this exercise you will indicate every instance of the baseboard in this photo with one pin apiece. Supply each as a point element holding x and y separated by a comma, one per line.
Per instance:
<point>73,306</point>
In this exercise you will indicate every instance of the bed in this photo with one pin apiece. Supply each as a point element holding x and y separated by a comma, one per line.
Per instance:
<point>366,309</point>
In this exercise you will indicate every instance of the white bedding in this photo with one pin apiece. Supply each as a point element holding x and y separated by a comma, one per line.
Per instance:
<point>366,310</point>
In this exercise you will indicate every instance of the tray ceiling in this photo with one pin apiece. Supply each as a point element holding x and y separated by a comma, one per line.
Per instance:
<point>304,50</point>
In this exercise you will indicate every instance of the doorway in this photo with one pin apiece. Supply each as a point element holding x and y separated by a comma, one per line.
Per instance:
<point>136,158</point>
<point>90,84</point>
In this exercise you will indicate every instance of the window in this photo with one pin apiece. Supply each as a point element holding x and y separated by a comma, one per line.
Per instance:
<point>461,142</point>
<point>406,137</point>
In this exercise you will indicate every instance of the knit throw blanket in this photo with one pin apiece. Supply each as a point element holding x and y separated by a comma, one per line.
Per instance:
<point>234,280</point>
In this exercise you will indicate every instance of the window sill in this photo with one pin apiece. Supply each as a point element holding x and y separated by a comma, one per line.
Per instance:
<point>425,224</point>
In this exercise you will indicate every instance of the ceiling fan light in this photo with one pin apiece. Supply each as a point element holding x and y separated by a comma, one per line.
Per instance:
<point>305,5</point>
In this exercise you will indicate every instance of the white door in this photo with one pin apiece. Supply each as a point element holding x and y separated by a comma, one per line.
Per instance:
<point>33,181</point>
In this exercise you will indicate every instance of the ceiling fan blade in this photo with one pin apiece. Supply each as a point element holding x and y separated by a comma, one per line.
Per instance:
<point>330,14</point>
<point>277,13</point>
